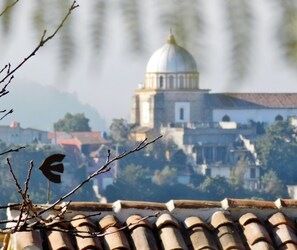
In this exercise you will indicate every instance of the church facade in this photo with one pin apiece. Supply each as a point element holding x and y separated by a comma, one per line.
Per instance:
<point>207,126</point>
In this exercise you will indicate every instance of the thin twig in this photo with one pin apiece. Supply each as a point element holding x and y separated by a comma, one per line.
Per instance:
<point>7,113</point>
<point>12,150</point>
<point>82,233</point>
<point>28,179</point>
<point>101,170</point>
<point>42,41</point>
<point>8,7</point>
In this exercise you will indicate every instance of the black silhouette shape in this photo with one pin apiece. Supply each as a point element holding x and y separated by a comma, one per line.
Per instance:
<point>47,167</point>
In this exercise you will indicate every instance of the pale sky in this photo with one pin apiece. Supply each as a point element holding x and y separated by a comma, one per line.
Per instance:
<point>109,85</point>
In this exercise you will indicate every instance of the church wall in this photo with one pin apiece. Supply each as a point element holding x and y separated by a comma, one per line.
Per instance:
<point>135,113</point>
<point>195,104</point>
<point>146,106</point>
<point>244,115</point>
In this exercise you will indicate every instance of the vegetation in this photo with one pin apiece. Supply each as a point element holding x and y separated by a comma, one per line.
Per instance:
<point>277,151</point>
<point>73,123</point>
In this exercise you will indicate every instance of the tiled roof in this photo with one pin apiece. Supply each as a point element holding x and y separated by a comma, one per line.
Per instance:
<point>255,100</point>
<point>178,224</point>
<point>82,137</point>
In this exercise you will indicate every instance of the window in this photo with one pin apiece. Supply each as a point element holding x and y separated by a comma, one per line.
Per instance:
<point>161,81</point>
<point>208,172</point>
<point>253,173</point>
<point>181,82</point>
<point>181,114</point>
<point>208,154</point>
<point>190,82</point>
<point>279,118</point>
<point>226,118</point>
<point>221,153</point>
<point>171,82</point>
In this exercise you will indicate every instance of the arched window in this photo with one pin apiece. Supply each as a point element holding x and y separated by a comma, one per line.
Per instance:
<point>171,82</point>
<point>226,118</point>
<point>181,82</point>
<point>279,118</point>
<point>190,82</point>
<point>161,82</point>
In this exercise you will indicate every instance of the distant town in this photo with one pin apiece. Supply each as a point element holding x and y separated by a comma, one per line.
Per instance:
<point>213,145</point>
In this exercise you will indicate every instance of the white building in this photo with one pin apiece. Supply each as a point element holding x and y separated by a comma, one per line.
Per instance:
<point>204,124</point>
<point>14,134</point>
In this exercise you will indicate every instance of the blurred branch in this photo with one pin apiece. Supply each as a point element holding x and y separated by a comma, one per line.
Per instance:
<point>12,150</point>
<point>239,18</point>
<point>8,7</point>
<point>287,31</point>
<point>44,39</point>
<point>7,113</point>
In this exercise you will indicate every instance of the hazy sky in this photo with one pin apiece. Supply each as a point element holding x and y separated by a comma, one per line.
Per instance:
<point>109,85</point>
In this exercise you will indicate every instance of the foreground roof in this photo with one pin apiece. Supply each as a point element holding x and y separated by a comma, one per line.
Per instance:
<point>178,224</point>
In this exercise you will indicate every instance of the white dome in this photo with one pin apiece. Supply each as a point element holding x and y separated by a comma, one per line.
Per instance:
<point>171,58</point>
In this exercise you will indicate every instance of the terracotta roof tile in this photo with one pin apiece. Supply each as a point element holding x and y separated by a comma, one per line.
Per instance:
<point>27,240</point>
<point>114,238</point>
<point>84,227</point>
<point>226,231</point>
<point>200,234</point>
<point>170,234</point>
<point>142,236</point>
<point>220,218</point>
<point>229,224</point>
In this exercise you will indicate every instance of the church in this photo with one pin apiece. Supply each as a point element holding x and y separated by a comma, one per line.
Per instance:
<point>207,126</point>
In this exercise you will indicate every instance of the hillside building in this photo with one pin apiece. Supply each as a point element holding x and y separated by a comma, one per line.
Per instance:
<point>14,134</point>
<point>214,129</point>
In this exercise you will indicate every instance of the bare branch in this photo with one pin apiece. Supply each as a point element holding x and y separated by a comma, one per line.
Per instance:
<point>101,170</point>
<point>12,150</point>
<point>28,178</point>
<point>42,42</point>
<point>6,114</point>
<point>8,7</point>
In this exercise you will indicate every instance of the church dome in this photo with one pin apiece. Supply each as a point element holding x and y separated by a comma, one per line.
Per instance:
<point>171,58</point>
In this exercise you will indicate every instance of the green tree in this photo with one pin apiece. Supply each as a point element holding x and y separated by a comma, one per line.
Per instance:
<point>217,188</point>
<point>273,186</point>
<point>132,184</point>
<point>166,176</point>
<point>119,131</point>
<point>277,151</point>
<point>73,123</point>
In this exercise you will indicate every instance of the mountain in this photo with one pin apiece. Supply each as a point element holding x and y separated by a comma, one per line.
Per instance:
<point>38,106</point>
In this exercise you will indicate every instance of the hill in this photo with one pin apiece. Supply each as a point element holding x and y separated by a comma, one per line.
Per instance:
<point>38,106</point>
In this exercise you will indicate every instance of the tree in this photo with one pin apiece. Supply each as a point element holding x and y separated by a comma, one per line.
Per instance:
<point>119,131</point>
<point>217,188</point>
<point>166,176</point>
<point>239,170</point>
<point>277,150</point>
<point>73,123</point>
<point>273,186</point>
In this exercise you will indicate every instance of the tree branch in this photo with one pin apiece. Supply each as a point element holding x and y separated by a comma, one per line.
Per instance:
<point>12,150</point>
<point>8,7</point>
<point>101,170</point>
<point>42,41</point>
